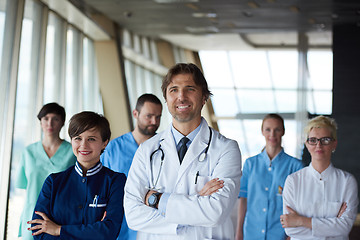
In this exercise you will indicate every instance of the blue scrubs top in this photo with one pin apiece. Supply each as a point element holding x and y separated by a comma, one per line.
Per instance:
<point>118,156</point>
<point>262,183</point>
<point>78,203</point>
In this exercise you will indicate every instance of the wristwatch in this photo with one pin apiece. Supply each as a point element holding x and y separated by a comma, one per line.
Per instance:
<point>153,199</point>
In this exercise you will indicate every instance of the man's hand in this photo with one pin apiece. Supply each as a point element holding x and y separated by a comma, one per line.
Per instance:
<point>45,225</point>
<point>211,187</point>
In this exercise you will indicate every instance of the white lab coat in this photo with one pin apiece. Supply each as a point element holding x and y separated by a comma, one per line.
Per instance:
<point>201,217</point>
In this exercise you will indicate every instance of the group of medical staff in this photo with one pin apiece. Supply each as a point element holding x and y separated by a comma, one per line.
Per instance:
<point>184,182</point>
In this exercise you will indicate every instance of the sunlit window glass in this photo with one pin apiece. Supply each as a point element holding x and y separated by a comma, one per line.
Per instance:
<point>246,67</point>
<point>54,67</point>
<point>2,25</point>
<point>249,84</point>
<point>26,126</point>
<point>218,75</point>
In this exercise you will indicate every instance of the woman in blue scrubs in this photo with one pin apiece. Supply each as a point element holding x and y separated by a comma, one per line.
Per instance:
<point>85,201</point>
<point>261,185</point>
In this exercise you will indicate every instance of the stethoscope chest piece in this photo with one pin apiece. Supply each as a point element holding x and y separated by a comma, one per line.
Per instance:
<point>202,157</point>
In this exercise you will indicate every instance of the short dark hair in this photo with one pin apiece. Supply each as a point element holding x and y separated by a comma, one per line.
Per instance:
<point>86,120</point>
<point>273,116</point>
<point>186,68</point>
<point>147,97</point>
<point>52,108</point>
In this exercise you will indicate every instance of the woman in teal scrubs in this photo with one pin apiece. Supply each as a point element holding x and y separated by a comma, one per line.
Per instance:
<point>51,154</point>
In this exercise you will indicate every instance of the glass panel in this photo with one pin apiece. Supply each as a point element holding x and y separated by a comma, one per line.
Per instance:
<point>322,102</point>
<point>284,71</point>
<point>2,25</point>
<point>250,69</point>
<point>130,82</point>
<point>320,65</point>
<point>289,140</point>
<point>217,72</point>
<point>257,142</point>
<point>256,101</point>
<point>224,102</point>
<point>91,93</point>
<point>73,72</point>
<point>233,129</point>
<point>54,67</point>
<point>286,101</point>
<point>26,125</point>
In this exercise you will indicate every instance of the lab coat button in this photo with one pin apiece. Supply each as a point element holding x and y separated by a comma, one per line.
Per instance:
<point>266,189</point>
<point>264,209</point>
<point>263,231</point>
<point>84,180</point>
<point>269,168</point>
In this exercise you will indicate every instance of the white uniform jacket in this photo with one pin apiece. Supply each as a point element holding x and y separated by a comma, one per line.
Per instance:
<point>197,217</point>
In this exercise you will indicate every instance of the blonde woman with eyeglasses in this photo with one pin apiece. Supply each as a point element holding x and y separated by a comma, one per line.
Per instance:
<point>320,201</point>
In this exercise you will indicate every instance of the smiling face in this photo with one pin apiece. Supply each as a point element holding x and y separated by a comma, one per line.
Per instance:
<point>273,131</point>
<point>87,147</point>
<point>321,153</point>
<point>184,100</point>
<point>51,124</point>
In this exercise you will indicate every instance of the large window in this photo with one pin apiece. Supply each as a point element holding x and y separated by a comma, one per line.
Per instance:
<point>56,64</point>
<point>249,84</point>
<point>143,72</point>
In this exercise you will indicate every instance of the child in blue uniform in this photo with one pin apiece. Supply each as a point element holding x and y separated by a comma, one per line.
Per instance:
<point>85,201</point>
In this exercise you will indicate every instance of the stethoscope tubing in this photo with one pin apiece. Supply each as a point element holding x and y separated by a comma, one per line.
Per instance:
<point>163,156</point>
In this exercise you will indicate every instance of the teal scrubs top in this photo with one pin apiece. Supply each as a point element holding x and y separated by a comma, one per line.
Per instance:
<point>261,184</point>
<point>118,156</point>
<point>34,167</point>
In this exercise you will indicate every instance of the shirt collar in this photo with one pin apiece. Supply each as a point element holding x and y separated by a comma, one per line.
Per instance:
<point>178,136</point>
<point>324,175</point>
<point>92,171</point>
<point>267,159</point>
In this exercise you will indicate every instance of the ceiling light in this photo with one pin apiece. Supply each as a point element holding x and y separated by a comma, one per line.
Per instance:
<point>253,4</point>
<point>311,20</point>
<point>247,14</point>
<point>204,15</point>
<point>294,9</point>
<point>199,30</point>
<point>192,6</point>
<point>175,1</point>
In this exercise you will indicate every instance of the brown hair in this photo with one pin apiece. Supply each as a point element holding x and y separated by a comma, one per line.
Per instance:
<point>273,116</point>
<point>52,108</point>
<point>186,68</point>
<point>84,121</point>
<point>147,97</point>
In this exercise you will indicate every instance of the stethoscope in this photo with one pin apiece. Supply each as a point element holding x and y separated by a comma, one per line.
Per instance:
<point>201,158</point>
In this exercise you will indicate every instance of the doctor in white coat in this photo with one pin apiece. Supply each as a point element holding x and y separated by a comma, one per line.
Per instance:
<point>169,198</point>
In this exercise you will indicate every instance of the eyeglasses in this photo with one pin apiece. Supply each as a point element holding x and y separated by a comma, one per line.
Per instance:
<point>323,140</point>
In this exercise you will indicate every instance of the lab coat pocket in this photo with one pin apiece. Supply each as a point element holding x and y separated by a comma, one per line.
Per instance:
<point>331,209</point>
<point>200,182</point>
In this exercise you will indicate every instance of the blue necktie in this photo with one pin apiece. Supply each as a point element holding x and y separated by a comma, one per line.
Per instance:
<point>183,148</point>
